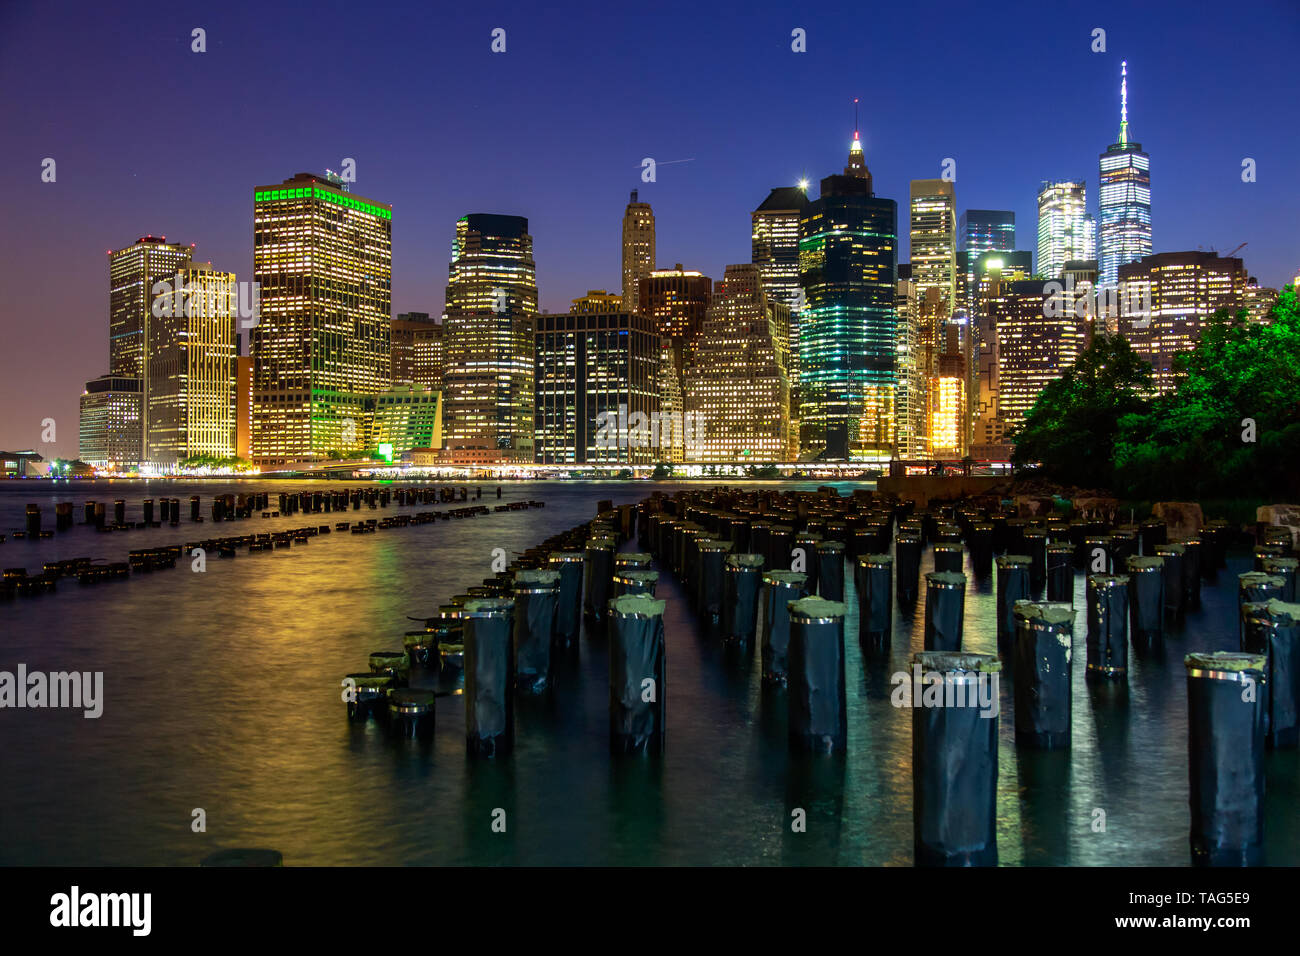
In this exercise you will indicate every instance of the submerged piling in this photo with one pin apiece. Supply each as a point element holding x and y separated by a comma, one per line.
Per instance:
<point>875,601</point>
<point>1107,599</point>
<point>779,589</point>
<point>907,552</point>
<point>537,597</point>
<point>1273,629</point>
<point>740,583</point>
<point>1225,723</point>
<point>830,570</point>
<point>1013,586</point>
<point>598,577</point>
<point>568,605</point>
<point>1044,639</point>
<point>1060,573</point>
<point>817,699</point>
<point>712,560</point>
<point>945,610</point>
<point>636,674</point>
<point>1255,587</point>
<point>1146,601</point>
<point>489,676</point>
<point>954,759</point>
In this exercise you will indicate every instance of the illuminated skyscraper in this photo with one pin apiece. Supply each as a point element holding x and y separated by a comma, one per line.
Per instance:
<point>189,378</point>
<point>638,249</point>
<point>132,274</point>
<point>416,350</point>
<point>910,405</point>
<point>985,230</point>
<point>676,300</point>
<point>597,381</point>
<point>946,428</point>
<point>488,342</point>
<point>1065,230</point>
<point>737,388</point>
<point>847,336</point>
<point>774,240</point>
<point>323,261</point>
<point>1033,346</point>
<point>1125,199</point>
<point>1183,289</point>
<point>110,435</point>
<point>933,239</point>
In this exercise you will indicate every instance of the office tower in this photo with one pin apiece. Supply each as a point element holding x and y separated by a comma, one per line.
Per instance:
<point>1125,198</point>
<point>407,417</point>
<point>1258,301</point>
<point>488,342</point>
<point>847,339</point>
<point>933,238</point>
<point>110,435</point>
<point>1183,289</point>
<point>638,249</point>
<point>1065,230</point>
<point>1035,344</point>
<point>774,243</point>
<point>985,230</point>
<point>189,369</point>
<point>323,262</point>
<point>946,428</point>
<point>415,343</point>
<point>133,272</point>
<point>244,407</point>
<point>737,387</point>
<point>597,377</point>
<point>597,301</point>
<point>672,403</point>
<point>676,301</point>
<point>910,405</point>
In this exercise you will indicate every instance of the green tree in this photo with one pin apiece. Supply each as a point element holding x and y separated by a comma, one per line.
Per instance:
<point>1240,382</point>
<point>1070,431</point>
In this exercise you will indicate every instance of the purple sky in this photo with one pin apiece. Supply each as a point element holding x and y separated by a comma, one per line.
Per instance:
<point>152,138</point>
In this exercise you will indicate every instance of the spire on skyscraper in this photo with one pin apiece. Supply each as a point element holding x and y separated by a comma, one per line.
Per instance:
<point>857,161</point>
<point>1123,104</point>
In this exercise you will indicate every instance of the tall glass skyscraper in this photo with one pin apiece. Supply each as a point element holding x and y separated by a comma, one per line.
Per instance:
<point>983,230</point>
<point>323,260</point>
<point>934,239</point>
<point>848,253</point>
<point>1065,230</point>
<point>1125,198</point>
<point>488,342</point>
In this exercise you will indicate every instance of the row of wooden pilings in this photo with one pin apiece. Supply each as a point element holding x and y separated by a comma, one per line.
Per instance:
<point>767,568</point>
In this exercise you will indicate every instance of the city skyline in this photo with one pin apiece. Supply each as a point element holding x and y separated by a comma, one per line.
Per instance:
<point>702,207</point>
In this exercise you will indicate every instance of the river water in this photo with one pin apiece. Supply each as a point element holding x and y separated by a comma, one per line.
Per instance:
<point>222,693</point>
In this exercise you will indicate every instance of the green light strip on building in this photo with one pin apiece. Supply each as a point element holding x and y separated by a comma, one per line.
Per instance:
<point>311,192</point>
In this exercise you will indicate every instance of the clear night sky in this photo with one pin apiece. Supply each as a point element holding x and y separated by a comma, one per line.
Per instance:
<point>152,138</point>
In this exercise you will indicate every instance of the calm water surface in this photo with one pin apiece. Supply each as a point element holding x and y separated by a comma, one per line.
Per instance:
<point>222,693</point>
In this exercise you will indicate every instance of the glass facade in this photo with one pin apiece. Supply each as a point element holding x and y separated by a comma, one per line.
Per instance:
<point>488,342</point>
<point>322,259</point>
<point>847,333</point>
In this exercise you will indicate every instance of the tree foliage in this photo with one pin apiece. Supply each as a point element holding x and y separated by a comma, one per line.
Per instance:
<point>1230,428</point>
<point>1071,429</point>
<point>1240,382</point>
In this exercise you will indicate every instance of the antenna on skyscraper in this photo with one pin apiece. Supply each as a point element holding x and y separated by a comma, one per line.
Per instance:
<point>855,118</point>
